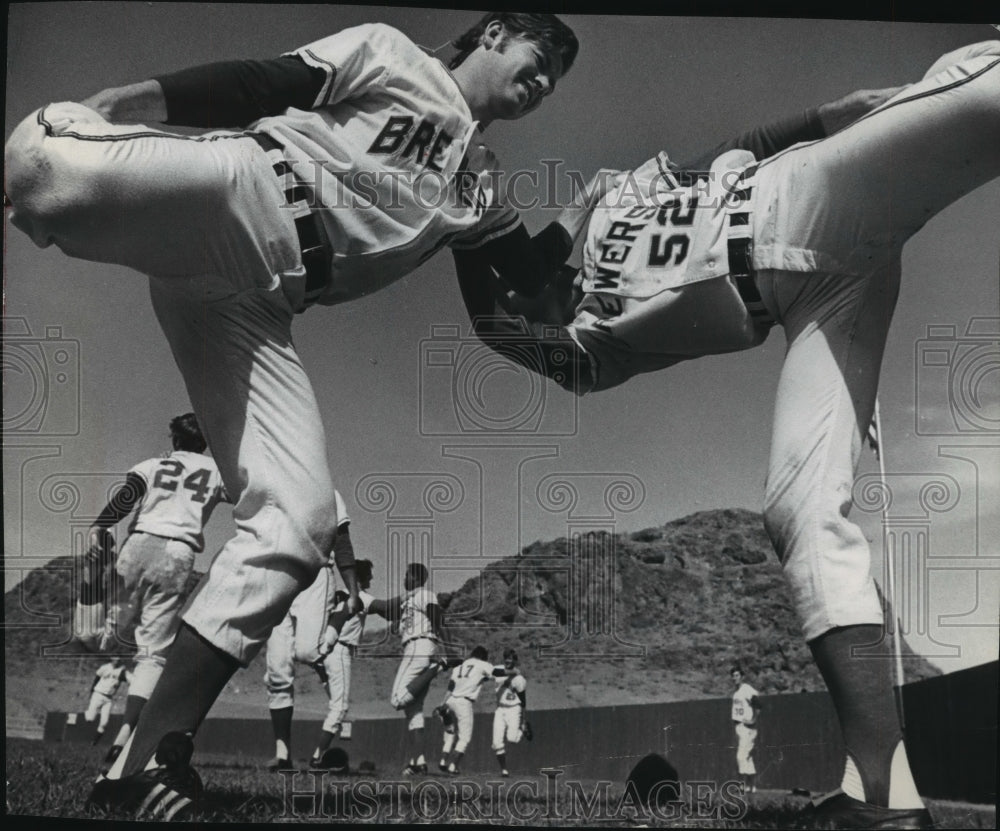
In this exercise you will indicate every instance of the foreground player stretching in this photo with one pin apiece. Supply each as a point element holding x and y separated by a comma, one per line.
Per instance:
<point>232,229</point>
<point>810,238</point>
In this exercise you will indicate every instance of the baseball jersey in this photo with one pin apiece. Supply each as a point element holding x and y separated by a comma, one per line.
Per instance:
<point>354,626</point>
<point>182,490</point>
<point>652,257</point>
<point>743,711</point>
<point>414,621</point>
<point>469,676</point>
<point>391,150</point>
<point>109,678</point>
<point>507,690</point>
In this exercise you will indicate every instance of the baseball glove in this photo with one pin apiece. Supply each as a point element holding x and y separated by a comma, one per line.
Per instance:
<point>527,732</point>
<point>101,553</point>
<point>320,668</point>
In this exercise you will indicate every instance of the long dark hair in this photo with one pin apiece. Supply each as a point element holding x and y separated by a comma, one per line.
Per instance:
<point>547,30</point>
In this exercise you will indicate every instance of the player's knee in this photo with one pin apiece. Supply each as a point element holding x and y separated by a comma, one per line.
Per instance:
<point>313,520</point>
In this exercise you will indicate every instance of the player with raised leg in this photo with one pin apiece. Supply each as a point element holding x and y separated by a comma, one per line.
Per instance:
<point>810,237</point>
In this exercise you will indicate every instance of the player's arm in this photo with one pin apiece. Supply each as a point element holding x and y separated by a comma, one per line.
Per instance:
<point>120,505</point>
<point>810,125</point>
<point>390,609</point>
<point>343,558</point>
<point>548,351</point>
<point>527,263</point>
<point>221,94</point>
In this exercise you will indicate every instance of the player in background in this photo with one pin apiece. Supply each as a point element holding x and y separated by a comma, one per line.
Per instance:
<point>233,233</point>
<point>300,638</point>
<point>107,680</point>
<point>173,498</point>
<point>810,237</point>
<point>511,712</point>
<point>418,616</point>
<point>463,690</point>
<point>745,710</point>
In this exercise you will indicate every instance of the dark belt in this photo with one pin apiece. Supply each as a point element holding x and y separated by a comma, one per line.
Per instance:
<point>317,256</point>
<point>741,258</point>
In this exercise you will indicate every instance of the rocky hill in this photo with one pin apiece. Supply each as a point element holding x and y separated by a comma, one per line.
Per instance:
<point>658,614</point>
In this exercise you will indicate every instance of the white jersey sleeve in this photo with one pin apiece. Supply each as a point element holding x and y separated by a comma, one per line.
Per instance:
<point>182,490</point>
<point>353,59</point>
<point>342,517</point>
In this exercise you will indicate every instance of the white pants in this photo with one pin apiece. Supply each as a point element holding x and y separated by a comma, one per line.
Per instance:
<point>151,575</point>
<point>417,656</point>
<point>506,726</point>
<point>202,217</point>
<point>99,703</point>
<point>830,221</point>
<point>746,738</point>
<point>458,735</point>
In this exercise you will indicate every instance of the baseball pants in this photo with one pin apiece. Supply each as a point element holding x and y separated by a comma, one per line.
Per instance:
<point>746,738</point>
<point>458,735</point>
<point>830,219</point>
<point>150,578</point>
<point>506,727</point>
<point>202,217</point>
<point>417,656</point>
<point>99,703</point>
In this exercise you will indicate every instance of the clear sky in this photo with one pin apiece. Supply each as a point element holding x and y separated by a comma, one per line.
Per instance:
<point>690,438</point>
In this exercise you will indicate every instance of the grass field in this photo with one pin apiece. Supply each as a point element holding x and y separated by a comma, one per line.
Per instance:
<point>53,780</point>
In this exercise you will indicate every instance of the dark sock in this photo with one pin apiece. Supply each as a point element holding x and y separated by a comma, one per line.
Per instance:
<point>194,675</point>
<point>325,740</point>
<point>281,721</point>
<point>862,692</point>
<point>502,759</point>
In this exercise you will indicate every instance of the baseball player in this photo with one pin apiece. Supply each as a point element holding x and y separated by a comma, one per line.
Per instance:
<point>300,637</point>
<point>746,708</point>
<point>173,498</point>
<point>678,265</point>
<point>232,229</point>
<point>512,704</point>
<point>107,680</point>
<point>420,622</point>
<point>463,690</point>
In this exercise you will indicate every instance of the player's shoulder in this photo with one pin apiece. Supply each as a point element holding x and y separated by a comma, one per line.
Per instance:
<point>519,683</point>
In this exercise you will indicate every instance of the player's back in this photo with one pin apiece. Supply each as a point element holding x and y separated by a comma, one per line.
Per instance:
<point>182,490</point>
<point>469,676</point>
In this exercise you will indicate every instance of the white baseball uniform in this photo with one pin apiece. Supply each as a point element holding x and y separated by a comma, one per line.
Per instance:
<point>744,715</point>
<point>420,645</point>
<point>508,718</point>
<point>154,564</point>
<point>107,681</point>
<point>299,637</point>
<point>823,224</point>
<point>229,275</point>
<point>467,679</point>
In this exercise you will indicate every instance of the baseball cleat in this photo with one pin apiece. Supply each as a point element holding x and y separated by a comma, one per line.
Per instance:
<point>505,773</point>
<point>411,770</point>
<point>422,768</point>
<point>453,771</point>
<point>838,810</point>
<point>277,764</point>
<point>168,792</point>
<point>442,766</point>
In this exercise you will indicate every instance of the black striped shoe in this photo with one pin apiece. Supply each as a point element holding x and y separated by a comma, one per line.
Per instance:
<point>169,792</point>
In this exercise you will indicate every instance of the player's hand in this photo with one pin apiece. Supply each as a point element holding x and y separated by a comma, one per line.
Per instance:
<point>353,604</point>
<point>838,114</point>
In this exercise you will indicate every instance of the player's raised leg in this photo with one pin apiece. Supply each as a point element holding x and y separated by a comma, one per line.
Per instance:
<point>836,329</point>
<point>259,414</point>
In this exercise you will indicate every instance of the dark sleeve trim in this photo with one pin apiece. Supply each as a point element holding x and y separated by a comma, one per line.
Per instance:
<point>237,93</point>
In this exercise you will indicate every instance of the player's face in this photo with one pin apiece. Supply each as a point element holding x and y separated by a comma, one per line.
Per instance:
<point>522,75</point>
<point>737,678</point>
